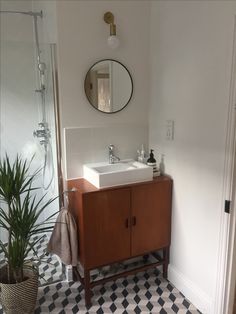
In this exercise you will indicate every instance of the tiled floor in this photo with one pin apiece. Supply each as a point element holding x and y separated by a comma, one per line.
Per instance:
<point>145,292</point>
<point>50,269</point>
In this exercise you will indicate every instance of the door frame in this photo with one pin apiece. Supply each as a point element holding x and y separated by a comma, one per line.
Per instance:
<point>226,271</point>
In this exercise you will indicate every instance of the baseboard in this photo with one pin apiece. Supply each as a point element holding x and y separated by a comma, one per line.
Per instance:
<point>192,292</point>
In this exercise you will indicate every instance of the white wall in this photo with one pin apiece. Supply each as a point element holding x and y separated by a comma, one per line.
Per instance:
<point>85,145</point>
<point>20,106</point>
<point>17,80</point>
<point>16,27</point>
<point>48,24</point>
<point>191,54</point>
<point>82,36</point>
<point>47,31</point>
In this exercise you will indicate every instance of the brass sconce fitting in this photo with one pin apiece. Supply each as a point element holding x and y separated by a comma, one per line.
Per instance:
<point>112,41</point>
<point>109,19</point>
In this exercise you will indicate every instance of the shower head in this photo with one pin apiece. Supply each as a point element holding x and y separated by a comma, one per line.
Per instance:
<point>31,13</point>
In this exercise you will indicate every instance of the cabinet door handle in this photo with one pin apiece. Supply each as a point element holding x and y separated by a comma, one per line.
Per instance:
<point>133,221</point>
<point>127,223</point>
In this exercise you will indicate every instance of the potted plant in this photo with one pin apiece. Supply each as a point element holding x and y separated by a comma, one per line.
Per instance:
<point>20,211</point>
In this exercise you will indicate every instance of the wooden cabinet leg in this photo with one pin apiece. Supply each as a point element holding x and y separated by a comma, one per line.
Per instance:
<point>145,257</point>
<point>166,253</point>
<point>87,288</point>
<point>74,273</point>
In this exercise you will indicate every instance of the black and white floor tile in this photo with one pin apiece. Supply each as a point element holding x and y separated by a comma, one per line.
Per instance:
<point>50,267</point>
<point>145,292</point>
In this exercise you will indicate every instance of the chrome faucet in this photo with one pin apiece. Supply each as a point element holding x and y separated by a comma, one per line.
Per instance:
<point>112,157</point>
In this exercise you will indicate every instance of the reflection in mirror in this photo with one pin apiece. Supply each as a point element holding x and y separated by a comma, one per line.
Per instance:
<point>108,86</point>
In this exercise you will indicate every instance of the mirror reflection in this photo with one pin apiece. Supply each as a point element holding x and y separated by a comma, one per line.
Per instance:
<point>108,86</point>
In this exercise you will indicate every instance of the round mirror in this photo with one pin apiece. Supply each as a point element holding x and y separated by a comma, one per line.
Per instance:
<point>108,86</point>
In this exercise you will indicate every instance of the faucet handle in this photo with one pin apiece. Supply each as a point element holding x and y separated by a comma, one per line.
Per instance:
<point>111,147</point>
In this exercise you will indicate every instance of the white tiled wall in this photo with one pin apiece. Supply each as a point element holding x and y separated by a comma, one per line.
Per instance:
<point>90,144</point>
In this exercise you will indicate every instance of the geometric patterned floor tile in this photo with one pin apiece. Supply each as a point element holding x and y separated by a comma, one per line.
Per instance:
<point>145,292</point>
<point>49,265</point>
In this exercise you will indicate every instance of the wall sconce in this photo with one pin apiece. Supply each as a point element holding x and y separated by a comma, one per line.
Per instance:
<point>112,41</point>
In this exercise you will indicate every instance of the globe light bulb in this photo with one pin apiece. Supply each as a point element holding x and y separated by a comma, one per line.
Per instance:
<point>113,41</point>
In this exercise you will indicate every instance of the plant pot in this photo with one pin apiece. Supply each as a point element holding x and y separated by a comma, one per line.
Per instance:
<point>20,297</point>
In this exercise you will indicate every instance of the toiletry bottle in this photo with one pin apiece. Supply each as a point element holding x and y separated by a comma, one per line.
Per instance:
<point>162,165</point>
<point>152,163</point>
<point>138,155</point>
<point>142,154</point>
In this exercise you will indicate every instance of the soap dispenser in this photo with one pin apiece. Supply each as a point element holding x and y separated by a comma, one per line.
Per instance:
<point>152,163</point>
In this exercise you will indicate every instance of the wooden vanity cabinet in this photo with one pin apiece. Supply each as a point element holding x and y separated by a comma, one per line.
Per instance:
<point>151,212</point>
<point>107,234</point>
<point>119,223</point>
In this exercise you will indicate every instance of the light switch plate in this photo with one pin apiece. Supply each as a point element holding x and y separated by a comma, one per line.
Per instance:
<point>169,130</point>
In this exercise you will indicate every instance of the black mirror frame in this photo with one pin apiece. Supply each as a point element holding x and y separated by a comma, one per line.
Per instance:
<point>132,86</point>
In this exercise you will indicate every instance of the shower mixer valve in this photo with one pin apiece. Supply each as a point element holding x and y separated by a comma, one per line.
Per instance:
<point>42,133</point>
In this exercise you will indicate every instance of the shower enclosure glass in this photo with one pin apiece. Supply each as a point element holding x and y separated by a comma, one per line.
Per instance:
<point>27,102</point>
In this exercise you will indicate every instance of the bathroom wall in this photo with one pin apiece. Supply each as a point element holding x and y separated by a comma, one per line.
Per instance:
<point>17,81</point>
<point>82,36</point>
<point>90,144</point>
<point>181,52</point>
<point>191,54</point>
<point>48,24</point>
<point>20,106</point>
<point>17,92</point>
<point>47,31</point>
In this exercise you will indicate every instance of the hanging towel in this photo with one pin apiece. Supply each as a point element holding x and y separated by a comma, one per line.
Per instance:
<point>64,241</point>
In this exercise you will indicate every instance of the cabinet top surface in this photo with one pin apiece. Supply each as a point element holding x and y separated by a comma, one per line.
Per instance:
<point>83,186</point>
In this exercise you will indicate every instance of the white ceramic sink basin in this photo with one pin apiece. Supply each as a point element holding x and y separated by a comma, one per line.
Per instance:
<point>104,174</point>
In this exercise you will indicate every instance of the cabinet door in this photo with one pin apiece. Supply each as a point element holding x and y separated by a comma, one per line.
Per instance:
<point>106,227</point>
<point>151,216</point>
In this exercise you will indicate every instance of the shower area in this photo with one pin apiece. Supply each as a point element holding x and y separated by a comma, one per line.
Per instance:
<point>29,118</point>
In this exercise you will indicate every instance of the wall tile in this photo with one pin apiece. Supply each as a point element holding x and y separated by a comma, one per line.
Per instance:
<point>86,145</point>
